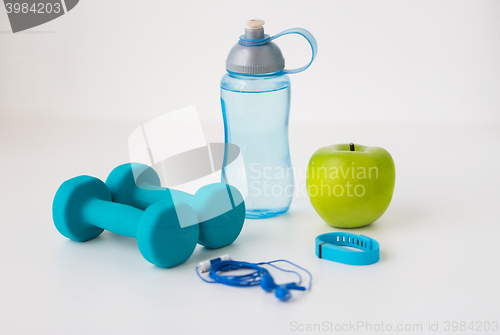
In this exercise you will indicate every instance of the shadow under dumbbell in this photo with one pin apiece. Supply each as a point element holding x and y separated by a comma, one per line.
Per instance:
<point>108,251</point>
<point>125,241</point>
<point>202,254</point>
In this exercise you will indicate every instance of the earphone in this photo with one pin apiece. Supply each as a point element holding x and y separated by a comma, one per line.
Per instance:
<point>282,291</point>
<point>260,276</point>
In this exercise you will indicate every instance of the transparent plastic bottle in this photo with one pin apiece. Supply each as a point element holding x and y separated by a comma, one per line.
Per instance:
<point>256,110</point>
<point>255,98</point>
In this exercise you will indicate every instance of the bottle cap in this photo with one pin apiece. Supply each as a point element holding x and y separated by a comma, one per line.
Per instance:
<point>255,53</point>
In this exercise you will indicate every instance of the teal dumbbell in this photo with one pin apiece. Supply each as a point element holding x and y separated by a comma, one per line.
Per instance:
<point>220,208</point>
<point>82,209</point>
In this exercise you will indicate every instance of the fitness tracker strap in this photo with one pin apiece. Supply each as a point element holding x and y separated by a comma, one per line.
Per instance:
<point>330,246</point>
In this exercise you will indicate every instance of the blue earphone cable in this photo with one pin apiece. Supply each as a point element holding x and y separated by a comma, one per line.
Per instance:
<point>250,279</point>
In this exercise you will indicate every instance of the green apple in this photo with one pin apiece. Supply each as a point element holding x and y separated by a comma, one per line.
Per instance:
<point>350,185</point>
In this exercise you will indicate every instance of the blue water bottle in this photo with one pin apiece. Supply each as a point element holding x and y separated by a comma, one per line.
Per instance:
<point>255,98</point>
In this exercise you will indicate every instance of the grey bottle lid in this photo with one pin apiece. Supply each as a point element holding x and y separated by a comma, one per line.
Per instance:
<point>265,57</point>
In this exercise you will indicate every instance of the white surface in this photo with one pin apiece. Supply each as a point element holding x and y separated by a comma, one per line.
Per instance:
<point>419,78</point>
<point>439,241</point>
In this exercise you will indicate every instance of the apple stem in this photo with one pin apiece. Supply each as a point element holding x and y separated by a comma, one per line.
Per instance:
<point>351,146</point>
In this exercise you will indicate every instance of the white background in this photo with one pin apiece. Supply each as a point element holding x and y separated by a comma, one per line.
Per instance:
<point>419,78</point>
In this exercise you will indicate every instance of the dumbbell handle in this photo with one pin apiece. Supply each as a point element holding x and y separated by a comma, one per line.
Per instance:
<point>117,218</point>
<point>146,194</point>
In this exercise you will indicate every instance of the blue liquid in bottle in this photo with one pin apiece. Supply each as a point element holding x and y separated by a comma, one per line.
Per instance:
<point>256,110</point>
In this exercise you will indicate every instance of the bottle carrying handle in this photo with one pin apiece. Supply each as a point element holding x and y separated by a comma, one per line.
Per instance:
<point>312,42</point>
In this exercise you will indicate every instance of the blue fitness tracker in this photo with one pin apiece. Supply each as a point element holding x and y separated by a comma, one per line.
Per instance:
<point>330,246</point>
